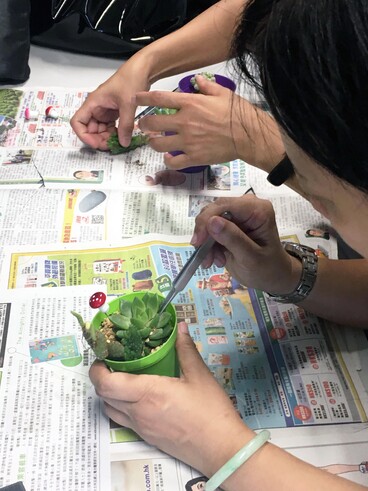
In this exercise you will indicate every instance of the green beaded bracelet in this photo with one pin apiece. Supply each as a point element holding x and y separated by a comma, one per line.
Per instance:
<point>237,460</point>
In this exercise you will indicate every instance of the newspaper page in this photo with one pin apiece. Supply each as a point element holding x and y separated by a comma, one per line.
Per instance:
<point>293,212</point>
<point>49,216</point>
<point>305,382</point>
<point>135,466</point>
<point>140,169</point>
<point>55,190</point>
<point>44,151</point>
<point>53,434</point>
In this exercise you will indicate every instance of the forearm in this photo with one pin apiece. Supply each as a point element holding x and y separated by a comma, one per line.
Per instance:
<point>340,292</point>
<point>271,468</point>
<point>203,41</point>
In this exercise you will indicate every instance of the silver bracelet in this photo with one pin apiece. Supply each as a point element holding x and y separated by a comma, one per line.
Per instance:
<point>309,260</point>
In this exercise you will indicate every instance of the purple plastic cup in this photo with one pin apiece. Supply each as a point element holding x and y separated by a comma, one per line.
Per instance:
<point>187,87</point>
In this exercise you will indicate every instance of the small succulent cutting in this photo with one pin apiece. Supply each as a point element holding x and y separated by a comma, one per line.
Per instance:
<point>208,75</point>
<point>135,330</point>
<point>137,140</point>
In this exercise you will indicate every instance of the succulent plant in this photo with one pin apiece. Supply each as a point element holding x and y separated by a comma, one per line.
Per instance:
<point>159,111</point>
<point>208,75</point>
<point>137,141</point>
<point>135,330</point>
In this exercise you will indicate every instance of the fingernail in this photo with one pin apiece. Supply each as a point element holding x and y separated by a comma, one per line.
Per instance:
<point>194,240</point>
<point>216,225</point>
<point>125,141</point>
<point>183,327</point>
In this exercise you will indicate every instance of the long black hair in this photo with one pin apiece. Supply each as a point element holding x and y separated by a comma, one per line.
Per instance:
<point>310,60</point>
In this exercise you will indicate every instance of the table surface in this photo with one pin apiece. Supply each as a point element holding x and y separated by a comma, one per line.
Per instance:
<point>54,68</point>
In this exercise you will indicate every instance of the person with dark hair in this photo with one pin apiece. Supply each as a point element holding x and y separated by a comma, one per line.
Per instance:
<point>309,57</point>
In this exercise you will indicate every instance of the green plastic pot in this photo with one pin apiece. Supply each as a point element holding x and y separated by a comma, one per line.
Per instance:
<point>161,362</point>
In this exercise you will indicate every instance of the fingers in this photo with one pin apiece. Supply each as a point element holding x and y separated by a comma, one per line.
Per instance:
<point>118,385</point>
<point>117,415</point>
<point>231,237</point>
<point>80,121</point>
<point>126,124</point>
<point>253,225</point>
<point>191,364</point>
<point>207,87</point>
<point>172,100</point>
<point>159,123</point>
<point>217,208</point>
<point>93,124</point>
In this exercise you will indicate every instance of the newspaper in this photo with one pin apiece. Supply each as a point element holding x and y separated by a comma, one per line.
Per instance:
<point>281,367</point>
<point>66,215</point>
<point>53,433</point>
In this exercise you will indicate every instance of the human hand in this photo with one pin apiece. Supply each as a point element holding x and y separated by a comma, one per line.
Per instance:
<point>190,418</point>
<point>249,244</point>
<point>95,120</point>
<point>211,127</point>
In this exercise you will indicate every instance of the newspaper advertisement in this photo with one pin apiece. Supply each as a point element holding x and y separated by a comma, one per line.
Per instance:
<point>53,433</point>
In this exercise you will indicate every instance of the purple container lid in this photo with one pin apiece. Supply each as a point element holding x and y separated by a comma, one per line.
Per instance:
<point>186,86</point>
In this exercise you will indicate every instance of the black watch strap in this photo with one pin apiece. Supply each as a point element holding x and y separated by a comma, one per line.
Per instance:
<point>281,172</point>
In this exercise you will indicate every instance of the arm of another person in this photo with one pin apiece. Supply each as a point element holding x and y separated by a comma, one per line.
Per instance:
<point>203,41</point>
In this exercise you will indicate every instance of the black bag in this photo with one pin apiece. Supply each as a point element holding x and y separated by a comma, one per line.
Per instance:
<point>25,21</point>
<point>140,21</point>
<point>72,30</point>
<point>14,41</point>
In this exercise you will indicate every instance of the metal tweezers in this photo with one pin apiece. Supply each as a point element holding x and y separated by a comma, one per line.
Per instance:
<point>190,268</point>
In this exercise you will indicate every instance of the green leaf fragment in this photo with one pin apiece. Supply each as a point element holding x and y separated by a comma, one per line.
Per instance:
<point>154,343</point>
<point>208,75</point>
<point>100,346</point>
<point>138,323</point>
<point>79,318</point>
<point>144,333</point>
<point>116,350</point>
<point>167,330</point>
<point>136,141</point>
<point>165,111</point>
<point>137,307</point>
<point>120,321</point>
<point>165,317</point>
<point>156,334</point>
<point>153,304</point>
<point>125,308</point>
<point>154,321</point>
<point>120,334</point>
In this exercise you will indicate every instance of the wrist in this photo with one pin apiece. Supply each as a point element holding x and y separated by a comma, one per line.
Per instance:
<point>309,266</point>
<point>237,461</point>
<point>226,443</point>
<point>289,279</point>
<point>262,146</point>
<point>139,64</point>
